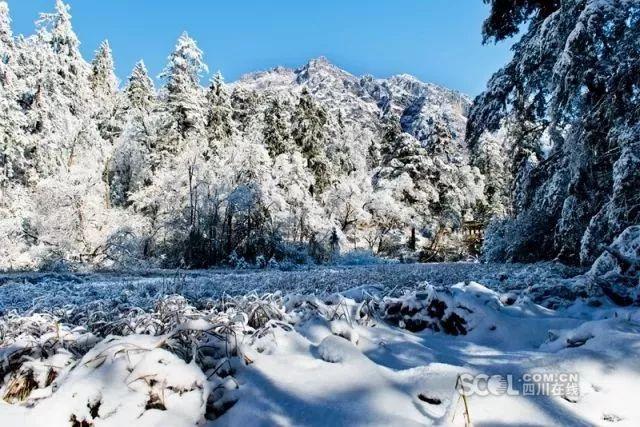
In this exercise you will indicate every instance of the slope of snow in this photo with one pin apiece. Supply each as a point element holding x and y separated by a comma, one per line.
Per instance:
<point>315,358</point>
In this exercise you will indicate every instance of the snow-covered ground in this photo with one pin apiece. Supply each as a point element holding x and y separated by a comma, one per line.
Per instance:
<point>36,292</point>
<point>369,345</point>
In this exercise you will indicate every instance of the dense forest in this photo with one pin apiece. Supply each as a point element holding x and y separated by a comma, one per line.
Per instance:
<point>570,103</point>
<point>305,165</point>
<point>289,166</point>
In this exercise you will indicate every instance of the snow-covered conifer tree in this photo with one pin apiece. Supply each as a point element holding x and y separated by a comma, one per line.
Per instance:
<point>59,104</point>
<point>245,108</point>
<point>55,28</point>
<point>219,126</point>
<point>140,91</point>
<point>104,83</point>
<point>103,78</point>
<point>6,34</point>
<point>570,96</point>
<point>309,134</point>
<point>132,163</point>
<point>13,164</point>
<point>183,110</point>
<point>276,133</point>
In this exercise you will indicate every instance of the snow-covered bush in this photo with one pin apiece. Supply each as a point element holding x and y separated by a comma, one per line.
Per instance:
<point>433,309</point>
<point>359,257</point>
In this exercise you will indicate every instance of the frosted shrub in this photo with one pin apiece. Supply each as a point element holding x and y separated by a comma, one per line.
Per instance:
<point>359,257</point>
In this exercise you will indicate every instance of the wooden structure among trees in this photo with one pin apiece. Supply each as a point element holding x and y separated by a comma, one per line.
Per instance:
<point>473,232</point>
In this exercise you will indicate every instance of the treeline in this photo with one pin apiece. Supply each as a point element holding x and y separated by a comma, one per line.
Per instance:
<point>107,173</point>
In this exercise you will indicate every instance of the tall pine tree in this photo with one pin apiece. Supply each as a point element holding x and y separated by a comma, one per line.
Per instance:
<point>13,164</point>
<point>310,135</point>
<point>61,107</point>
<point>219,125</point>
<point>104,82</point>
<point>183,105</point>
<point>56,29</point>
<point>276,133</point>
<point>6,34</point>
<point>133,161</point>
<point>140,92</point>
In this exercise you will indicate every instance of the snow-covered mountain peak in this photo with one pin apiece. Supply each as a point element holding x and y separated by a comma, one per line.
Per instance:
<point>320,74</point>
<point>404,77</point>
<point>363,100</point>
<point>320,62</point>
<point>276,78</point>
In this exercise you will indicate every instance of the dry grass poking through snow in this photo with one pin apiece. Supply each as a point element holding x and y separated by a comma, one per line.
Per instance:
<point>360,357</point>
<point>175,358</point>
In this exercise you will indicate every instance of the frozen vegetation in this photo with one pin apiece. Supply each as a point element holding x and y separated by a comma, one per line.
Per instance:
<point>34,292</point>
<point>367,345</point>
<point>245,253</point>
<point>288,164</point>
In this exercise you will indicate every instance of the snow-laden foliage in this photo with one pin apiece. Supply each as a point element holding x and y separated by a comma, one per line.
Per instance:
<point>569,104</point>
<point>286,165</point>
<point>617,270</point>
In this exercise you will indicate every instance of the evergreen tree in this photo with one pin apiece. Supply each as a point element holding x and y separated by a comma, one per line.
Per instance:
<point>309,134</point>
<point>130,167</point>
<point>6,34</point>
<point>13,164</point>
<point>245,108</point>
<point>140,92</point>
<point>219,124</point>
<point>439,141</point>
<point>59,104</point>
<point>400,153</point>
<point>339,151</point>
<point>507,16</point>
<point>449,172</point>
<point>56,30</point>
<point>7,48</point>
<point>276,133</point>
<point>133,161</point>
<point>183,109</point>
<point>104,82</point>
<point>570,95</point>
<point>492,157</point>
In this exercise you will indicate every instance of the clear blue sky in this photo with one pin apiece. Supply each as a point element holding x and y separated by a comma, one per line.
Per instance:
<point>436,40</point>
